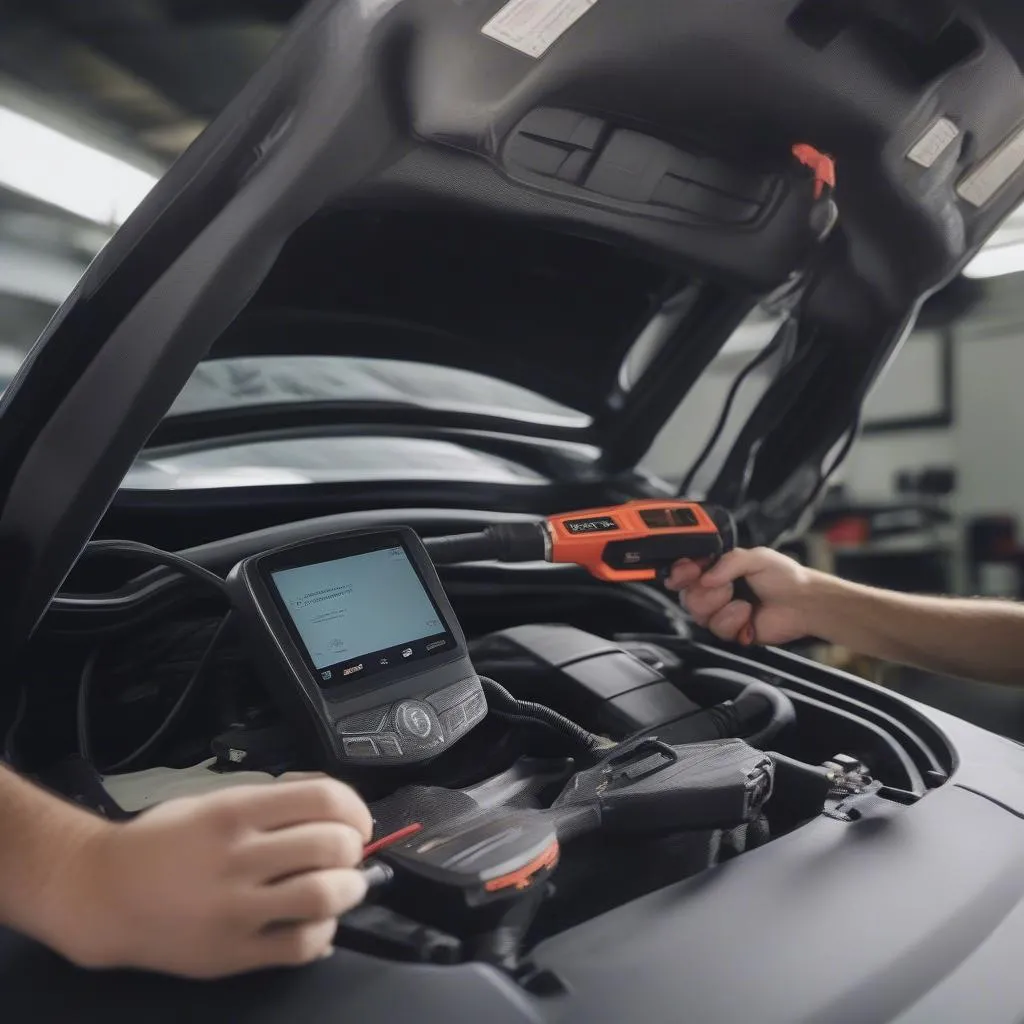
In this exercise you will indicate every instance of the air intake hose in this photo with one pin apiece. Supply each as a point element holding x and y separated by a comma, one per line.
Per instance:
<point>757,714</point>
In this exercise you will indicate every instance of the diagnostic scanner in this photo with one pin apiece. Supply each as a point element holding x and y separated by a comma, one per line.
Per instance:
<point>357,640</point>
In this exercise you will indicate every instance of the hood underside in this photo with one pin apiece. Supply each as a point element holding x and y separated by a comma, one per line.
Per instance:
<point>524,190</point>
<point>550,312</point>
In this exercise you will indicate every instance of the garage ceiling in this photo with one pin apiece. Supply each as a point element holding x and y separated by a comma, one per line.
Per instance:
<point>139,78</point>
<point>150,72</point>
<point>146,76</point>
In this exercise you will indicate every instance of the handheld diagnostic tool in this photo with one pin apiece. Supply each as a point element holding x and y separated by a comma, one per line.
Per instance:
<point>643,787</point>
<point>356,639</point>
<point>633,542</point>
<point>630,543</point>
<point>637,542</point>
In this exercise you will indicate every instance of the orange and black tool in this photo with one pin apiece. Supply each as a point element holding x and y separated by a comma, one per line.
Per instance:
<point>635,542</point>
<point>490,858</point>
<point>642,540</point>
<point>642,786</point>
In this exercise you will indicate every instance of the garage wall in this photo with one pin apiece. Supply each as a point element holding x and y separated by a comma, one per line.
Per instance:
<point>989,432</point>
<point>871,469</point>
<point>872,466</point>
<point>986,442</point>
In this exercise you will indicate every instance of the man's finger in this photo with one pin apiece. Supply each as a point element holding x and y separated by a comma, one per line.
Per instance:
<point>731,621</point>
<point>684,574</point>
<point>319,846</point>
<point>730,567</point>
<point>315,896</point>
<point>294,945</point>
<point>296,803</point>
<point>703,603</point>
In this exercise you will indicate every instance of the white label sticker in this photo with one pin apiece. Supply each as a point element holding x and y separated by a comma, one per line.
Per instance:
<point>934,142</point>
<point>985,181</point>
<point>534,26</point>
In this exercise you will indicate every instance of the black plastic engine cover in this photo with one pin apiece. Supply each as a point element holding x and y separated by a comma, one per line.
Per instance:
<point>590,679</point>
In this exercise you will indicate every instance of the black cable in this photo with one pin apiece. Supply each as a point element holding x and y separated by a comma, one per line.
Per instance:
<point>781,337</point>
<point>840,458</point>
<point>511,718</point>
<point>10,739</point>
<point>825,475</point>
<point>506,706</point>
<point>82,709</point>
<point>500,542</point>
<point>802,355</point>
<point>136,549</point>
<point>182,703</point>
<point>462,547</point>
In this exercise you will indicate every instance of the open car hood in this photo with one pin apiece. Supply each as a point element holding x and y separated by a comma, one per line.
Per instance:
<point>526,191</point>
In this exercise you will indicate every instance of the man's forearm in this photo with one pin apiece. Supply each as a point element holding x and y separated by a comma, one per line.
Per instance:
<point>971,638</point>
<point>40,837</point>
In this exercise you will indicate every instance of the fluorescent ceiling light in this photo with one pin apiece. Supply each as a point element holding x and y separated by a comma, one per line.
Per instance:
<point>1003,253</point>
<point>41,162</point>
<point>37,276</point>
<point>997,261</point>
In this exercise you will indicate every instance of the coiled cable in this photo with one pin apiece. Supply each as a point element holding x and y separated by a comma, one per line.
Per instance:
<point>504,705</point>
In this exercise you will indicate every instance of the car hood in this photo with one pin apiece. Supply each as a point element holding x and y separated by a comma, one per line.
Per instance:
<point>608,335</point>
<point>544,201</point>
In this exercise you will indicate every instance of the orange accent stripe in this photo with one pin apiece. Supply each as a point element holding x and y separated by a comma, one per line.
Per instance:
<point>395,837</point>
<point>522,878</point>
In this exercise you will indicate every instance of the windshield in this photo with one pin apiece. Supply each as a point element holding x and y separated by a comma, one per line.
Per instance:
<point>272,380</point>
<point>324,460</point>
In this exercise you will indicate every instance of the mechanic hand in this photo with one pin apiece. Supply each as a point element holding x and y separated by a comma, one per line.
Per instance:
<point>781,586</point>
<point>206,887</point>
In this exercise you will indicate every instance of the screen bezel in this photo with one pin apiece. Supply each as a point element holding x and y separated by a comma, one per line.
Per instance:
<point>313,552</point>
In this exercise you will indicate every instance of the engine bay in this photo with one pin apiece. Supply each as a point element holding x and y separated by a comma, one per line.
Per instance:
<point>588,794</point>
<point>538,746</point>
